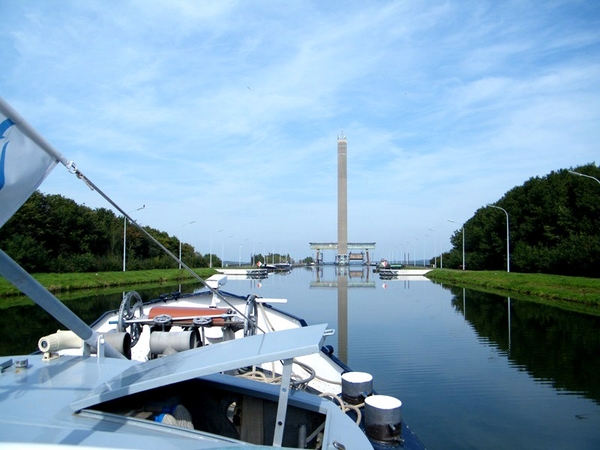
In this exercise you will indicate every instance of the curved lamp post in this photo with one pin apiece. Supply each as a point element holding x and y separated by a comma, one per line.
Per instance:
<point>210,264</point>
<point>415,253</point>
<point>463,242</point>
<point>583,175</point>
<point>507,237</point>
<point>125,237</point>
<point>180,231</point>
<point>434,247</point>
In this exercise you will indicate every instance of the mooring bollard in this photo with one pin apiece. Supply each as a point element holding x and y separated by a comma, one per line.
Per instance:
<point>356,386</point>
<point>383,418</point>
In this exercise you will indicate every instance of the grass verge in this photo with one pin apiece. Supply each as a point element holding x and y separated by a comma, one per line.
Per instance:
<point>66,282</point>
<point>543,286</point>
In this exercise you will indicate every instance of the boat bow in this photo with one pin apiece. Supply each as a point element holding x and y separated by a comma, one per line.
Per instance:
<point>207,360</point>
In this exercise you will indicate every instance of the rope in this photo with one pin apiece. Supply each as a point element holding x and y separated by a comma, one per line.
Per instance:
<point>269,324</point>
<point>345,406</point>
<point>337,383</point>
<point>307,368</point>
<point>297,378</point>
<point>255,375</point>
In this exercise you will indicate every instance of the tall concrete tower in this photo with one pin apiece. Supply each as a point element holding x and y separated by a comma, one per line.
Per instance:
<point>342,145</point>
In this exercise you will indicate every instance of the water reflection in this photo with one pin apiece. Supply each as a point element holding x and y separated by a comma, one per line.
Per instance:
<point>345,277</point>
<point>355,277</point>
<point>557,347</point>
<point>342,304</point>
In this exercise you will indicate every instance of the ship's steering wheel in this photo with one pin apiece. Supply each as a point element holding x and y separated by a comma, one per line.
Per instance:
<point>251,316</point>
<point>128,312</point>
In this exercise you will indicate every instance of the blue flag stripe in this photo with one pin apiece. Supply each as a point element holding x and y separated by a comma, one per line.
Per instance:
<point>5,125</point>
<point>2,158</point>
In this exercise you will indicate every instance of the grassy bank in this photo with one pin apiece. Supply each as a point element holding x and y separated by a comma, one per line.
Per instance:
<point>547,287</point>
<point>67,282</point>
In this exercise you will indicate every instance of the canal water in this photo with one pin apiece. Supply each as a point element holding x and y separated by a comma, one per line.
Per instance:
<point>473,370</point>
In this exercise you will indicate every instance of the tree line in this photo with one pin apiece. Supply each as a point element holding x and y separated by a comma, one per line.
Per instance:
<point>554,228</point>
<point>54,234</point>
<point>51,233</point>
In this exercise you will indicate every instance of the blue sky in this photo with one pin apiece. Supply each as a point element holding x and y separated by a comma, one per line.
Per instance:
<point>227,113</point>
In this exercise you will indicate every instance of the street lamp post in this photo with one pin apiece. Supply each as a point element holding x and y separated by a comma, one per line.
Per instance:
<point>210,251</point>
<point>223,251</point>
<point>583,175</point>
<point>507,237</point>
<point>415,253</point>
<point>125,237</point>
<point>463,243</point>
<point>180,232</point>
<point>240,254</point>
<point>434,247</point>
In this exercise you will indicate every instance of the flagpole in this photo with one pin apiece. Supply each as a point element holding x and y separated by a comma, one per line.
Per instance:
<point>31,133</point>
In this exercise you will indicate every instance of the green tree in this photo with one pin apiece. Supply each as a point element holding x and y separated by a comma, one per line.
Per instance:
<point>51,233</point>
<point>554,228</point>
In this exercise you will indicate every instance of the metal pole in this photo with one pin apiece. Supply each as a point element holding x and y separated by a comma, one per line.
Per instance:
<point>124,243</point>
<point>583,175</point>
<point>463,233</point>
<point>434,247</point>
<point>415,253</point>
<point>222,229</point>
<point>463,244</point>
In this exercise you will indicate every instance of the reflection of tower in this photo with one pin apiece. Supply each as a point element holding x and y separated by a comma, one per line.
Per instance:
<point>342,255</point>
<point>342,332</point>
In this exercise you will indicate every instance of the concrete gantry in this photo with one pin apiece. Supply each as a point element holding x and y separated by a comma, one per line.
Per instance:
<point>365,246</point>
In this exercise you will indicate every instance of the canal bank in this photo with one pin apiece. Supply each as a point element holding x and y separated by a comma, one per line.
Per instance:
<point>574,293</point>
<point>67,282</point>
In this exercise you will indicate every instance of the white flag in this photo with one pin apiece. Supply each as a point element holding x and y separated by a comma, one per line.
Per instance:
<point>23,163</point>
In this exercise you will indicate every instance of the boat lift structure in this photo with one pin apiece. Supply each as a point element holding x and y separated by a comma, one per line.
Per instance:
<point>362,257</point>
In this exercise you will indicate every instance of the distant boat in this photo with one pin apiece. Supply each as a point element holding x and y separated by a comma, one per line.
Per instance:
<point>385,265</point>
<point>278,267</point>
<point>259,273</point>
